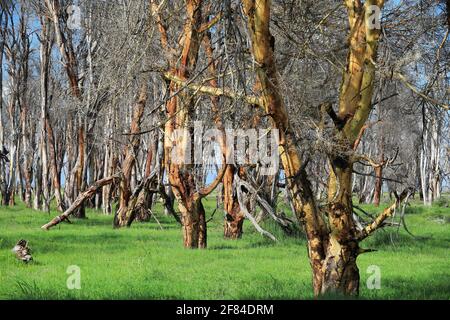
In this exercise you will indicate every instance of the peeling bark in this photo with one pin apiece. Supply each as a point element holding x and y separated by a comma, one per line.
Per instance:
<point>234,217</point>
<point>332,249</point>
<point>178,108</point>
<point>258,14</point>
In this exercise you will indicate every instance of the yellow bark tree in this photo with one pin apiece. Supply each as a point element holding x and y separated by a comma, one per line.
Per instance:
<point>333,238</point>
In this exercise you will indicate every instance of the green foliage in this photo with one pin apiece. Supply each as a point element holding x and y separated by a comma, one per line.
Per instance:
<point>144,262</point>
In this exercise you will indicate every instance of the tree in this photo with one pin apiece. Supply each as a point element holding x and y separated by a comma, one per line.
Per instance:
<point>113,122</point>
<point>179,108</point>
<point>63,37</point>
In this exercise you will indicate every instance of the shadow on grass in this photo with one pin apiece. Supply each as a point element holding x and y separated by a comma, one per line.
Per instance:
<point>392,240</point>
<point>437,287</point>
<point>222,247</point>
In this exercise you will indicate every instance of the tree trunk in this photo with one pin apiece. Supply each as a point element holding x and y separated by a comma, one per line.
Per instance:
<point>27,132</point>
<point>234,218</point>
<point>169,201</point>
<point>178,109</point>
<point>333,249</point>
<point>378,185</point>
<point>194,224</point>
<point>60,205</point>
<point>123,216</point>
<point>379,174</point>
<point>340,272</point>
<point>147,197</point>
<point>2,127</point>
<point>37,201</point>
<point>78,171</point>
<point>45,175</point>
<point>435,148</point>
<point>108,166</point>
<point>45,51</point>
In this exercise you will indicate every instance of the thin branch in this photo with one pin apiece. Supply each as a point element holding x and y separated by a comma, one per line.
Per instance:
<point>378,221</point>
<point>218,92</point>
<point>250,217</point>
<point>416,90</point>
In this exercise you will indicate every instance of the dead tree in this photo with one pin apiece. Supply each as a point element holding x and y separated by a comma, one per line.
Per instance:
<point>64,41</point>
<point>91,191</point>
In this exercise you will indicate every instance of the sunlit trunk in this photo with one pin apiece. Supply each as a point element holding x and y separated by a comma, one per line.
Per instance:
<point>178,112</point>
<point>333,249</point>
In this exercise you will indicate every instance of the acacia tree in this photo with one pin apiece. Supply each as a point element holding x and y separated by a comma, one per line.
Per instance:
<point>234,217</point>
<point>334,246</point>
<point>125,215</point>
<point>65,45</point>
<point>206,53</point>
<point>179,110</point>
<point>333,235</point>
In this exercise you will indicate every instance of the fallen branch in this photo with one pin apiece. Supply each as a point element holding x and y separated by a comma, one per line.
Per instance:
<point>284,222</point>
<point>92,190</point>
<point>379,221</point>
<point>250,217</point>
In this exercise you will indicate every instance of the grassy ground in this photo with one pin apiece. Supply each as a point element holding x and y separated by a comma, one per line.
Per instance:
<point>144,262</point>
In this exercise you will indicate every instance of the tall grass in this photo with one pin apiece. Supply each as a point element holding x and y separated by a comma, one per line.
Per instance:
<point>144,262</point>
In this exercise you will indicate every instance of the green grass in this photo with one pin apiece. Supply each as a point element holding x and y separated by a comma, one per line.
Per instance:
<point>144,262</point>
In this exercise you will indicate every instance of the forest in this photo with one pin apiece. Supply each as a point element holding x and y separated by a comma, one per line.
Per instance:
<point>231,149</point>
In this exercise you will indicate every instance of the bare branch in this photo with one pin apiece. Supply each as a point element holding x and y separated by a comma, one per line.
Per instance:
<point>378,222</point>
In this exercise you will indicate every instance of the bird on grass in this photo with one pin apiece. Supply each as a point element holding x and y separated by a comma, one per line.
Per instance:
<point>22,251</point>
